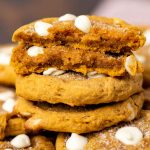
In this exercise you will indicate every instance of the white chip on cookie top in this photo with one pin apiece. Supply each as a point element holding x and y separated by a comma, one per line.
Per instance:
<point>35,51</point>
<point>41,28</point>
<point>76,142</point>
<point>21,141</point>
<point>83,23</point>
<point>129,135</point>
<point>147,36</point>
<point>67,17</point>
<point>9,105</point>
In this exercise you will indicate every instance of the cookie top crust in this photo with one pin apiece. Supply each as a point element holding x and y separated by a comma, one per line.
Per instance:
<point>105,34</point>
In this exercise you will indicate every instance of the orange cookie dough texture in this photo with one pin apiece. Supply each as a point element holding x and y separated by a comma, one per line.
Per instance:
<point>104,49</point>
<point>38,142</point>
<point>105,139</point>
<point>76,90</point>
<point>70,59</point>
<point>63,118</point>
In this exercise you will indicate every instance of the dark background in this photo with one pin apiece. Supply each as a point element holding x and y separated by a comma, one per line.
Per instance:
<point>15,13</point>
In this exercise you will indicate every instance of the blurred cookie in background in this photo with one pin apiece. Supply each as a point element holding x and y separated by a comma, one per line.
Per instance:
<point>143,55</point>
<point>7,75</point>
<point>147,98</point>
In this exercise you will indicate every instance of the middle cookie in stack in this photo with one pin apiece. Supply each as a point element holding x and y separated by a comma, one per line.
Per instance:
<point>77,74</point>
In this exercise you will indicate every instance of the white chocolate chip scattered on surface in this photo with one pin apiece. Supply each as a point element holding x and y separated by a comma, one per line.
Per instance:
<point>41,28</point>
<point>67,17</point>
<point>6,95</point>
<point>131,65</point>
<point>21,141</point>
<point>147,35</point>
<point>8,105</point>
<point>35,51</point>
<point>129,135</point>
<point>83,23</point>
<point>76,142</point>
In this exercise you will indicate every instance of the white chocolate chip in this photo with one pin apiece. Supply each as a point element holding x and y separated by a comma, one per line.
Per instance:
<point>76,142</point>
<point>41,28</point>
<point>147,35</point>
<point>58,72</point>
<point>131,65</point>
<point>6,95</point>
<point>49,71</point>
<point>67,17</point>
<point>53,72</point>
<point>4,59</point>
<point>83,23</point>
<point>35,50</point>
<point>21,141</point>
<point>129,135</point>
<point>8,105</point>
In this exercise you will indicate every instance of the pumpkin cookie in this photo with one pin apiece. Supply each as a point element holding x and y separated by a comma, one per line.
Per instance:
<point>63,118</point>
<point>129,136</point>
<point>77,90</point>
<point>7,75</point>
<point>82,44</point>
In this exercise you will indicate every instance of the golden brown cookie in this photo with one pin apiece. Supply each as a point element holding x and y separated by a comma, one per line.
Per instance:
<point>63,118</point>
<point>106,139</point>
<point>37,143</point>
<point>104,48</point>
<point>76,90</point>
<point>7,74</point>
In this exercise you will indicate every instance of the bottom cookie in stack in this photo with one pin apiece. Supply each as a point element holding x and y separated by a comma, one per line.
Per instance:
<point>128,136</point>
<point>64,118</point>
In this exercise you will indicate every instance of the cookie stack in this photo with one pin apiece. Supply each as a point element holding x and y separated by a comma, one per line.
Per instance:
<point>77,74</point>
